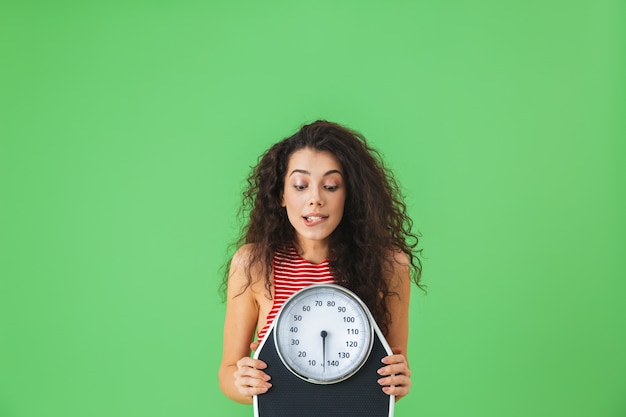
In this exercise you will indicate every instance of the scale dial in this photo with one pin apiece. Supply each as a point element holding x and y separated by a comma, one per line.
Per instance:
<point>323,333</point>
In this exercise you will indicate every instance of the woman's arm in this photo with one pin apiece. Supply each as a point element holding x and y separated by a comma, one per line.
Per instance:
<point>399,282</point>
<point>240,376</point>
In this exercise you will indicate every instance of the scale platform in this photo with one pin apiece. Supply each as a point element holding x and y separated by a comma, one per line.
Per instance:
<point>290,396</point>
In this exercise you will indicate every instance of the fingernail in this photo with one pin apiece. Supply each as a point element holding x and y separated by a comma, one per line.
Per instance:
<point>380,371</point>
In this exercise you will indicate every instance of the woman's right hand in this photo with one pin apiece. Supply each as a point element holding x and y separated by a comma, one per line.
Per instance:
<point>249,377</point>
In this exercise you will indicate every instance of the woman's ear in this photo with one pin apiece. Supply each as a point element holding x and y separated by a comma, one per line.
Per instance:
<point>282,200</point>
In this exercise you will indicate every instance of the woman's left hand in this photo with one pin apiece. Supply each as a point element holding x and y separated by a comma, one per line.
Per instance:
<point>396,375</point>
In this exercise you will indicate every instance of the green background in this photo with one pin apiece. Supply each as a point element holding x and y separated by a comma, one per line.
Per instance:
<point>127,130</point>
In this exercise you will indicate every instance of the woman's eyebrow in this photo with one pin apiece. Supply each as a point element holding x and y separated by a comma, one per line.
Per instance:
<point>305,172</point>
<point>333,171</point>
<point>300,171</point>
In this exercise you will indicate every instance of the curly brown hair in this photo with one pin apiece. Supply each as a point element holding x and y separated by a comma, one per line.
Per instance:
<point>375,220</point>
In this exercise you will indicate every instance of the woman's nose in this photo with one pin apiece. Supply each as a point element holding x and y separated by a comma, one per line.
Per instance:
<point>315,199</point>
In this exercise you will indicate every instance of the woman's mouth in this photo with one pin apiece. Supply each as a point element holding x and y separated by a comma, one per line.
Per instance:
<point>313,220</point>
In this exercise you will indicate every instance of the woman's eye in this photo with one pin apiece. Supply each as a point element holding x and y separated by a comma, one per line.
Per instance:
<point>331,187</point>
<point>299,187</point>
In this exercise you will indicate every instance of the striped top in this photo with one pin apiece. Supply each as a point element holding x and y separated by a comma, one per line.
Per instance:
<point>293,273</point>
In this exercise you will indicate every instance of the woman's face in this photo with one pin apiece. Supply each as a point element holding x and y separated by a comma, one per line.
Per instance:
<point>314,194</point>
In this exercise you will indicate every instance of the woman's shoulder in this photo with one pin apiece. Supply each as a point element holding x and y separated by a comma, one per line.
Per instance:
<point>399,257</point>
<point>249,253</point>
<point>247,268</point>
<point>243,254</point>
<point>398,267</point>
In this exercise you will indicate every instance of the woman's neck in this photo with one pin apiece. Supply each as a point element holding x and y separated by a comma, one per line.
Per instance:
<point>313,251</point>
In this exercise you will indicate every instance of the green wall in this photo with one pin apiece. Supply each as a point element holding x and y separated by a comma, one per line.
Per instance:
<point>127,129</point>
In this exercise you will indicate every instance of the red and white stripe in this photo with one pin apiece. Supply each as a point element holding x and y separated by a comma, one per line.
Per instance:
<point>291,274</point>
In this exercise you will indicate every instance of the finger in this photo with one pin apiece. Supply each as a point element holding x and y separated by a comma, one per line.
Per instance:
<point>395,369</point>
<point>251,363</point>
<point>394,359</point>
<point>251,373</point>
<point>252,386</point>
<point>395,380</point>
<point>250,392</point>
<point>398,391</point>
<point>251,382</point>
<point>254,345</point>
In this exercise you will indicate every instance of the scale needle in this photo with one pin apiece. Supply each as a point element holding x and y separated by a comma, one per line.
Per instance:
<point>324,333</point>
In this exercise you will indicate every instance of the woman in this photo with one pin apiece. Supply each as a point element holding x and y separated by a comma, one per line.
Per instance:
<point>322,202</point>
